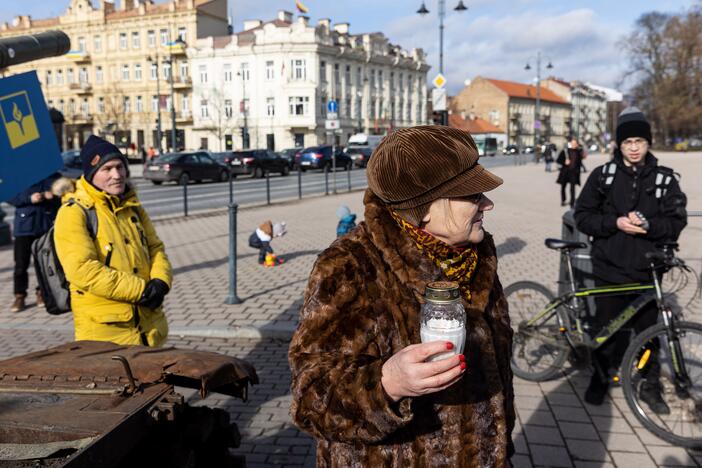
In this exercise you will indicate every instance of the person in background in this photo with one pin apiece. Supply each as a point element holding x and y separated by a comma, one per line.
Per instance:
<point>347,220</point>
<point>549,148</point>
<point>261,239</point>
<point>119,276</point>
<point>570,159</point>
<point>36,209</point>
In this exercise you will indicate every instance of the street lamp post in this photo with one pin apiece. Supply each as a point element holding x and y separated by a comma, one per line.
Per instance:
<point>158,102</point>
<point>245,136</point>
<point>180,43</point>
<point>442,14</point>
<point>537,108</point>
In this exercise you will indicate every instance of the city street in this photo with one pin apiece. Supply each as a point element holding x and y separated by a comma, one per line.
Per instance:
<point>555,427</point>
<point>167,199</point>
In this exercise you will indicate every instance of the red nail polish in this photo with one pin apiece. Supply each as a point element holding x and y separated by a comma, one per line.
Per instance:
<point>461,357</point>
<point>449,345</point>
<point>463,365</point>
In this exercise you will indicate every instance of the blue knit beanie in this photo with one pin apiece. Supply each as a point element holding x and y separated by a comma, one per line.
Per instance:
<point>97,152</point>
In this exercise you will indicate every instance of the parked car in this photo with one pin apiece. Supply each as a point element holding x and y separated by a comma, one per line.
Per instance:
<point>254,162</point>
<point>72,164</point>
<point>360,155</point>
<point>290,154</point>
<point>320,157</point>
<point>511,149</point>
<point>184,167</point>
<point>528,150</point>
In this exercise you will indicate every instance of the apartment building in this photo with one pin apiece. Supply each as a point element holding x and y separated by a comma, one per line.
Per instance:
<point>116,80</point>
<point>269,85</point>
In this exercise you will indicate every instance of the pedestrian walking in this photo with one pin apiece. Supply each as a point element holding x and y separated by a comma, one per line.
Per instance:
<point>628,206</point>
<point>119,275</point>
<point>261,239</point>
<point>570,160</point>
<point>549,148</point>
<point>347,221</point>
<point>35,212</point>
<point>360,383</point>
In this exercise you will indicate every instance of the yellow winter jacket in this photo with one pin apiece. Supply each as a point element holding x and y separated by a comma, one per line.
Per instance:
<point>108,274</point>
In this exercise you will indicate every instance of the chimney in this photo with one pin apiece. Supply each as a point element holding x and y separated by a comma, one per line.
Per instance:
<point>463,115</point>
<point>285,16</point>
<point>471,116</point>
<point>250,24</point>
<point>326,22</point>
<point>342,28</point>
<point>302,19</point>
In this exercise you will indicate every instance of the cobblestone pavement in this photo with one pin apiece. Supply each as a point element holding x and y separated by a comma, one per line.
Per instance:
<point>555,427</point>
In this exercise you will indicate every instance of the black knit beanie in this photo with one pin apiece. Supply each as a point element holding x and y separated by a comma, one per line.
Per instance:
<point>632,123</point>
<point>97,152</point>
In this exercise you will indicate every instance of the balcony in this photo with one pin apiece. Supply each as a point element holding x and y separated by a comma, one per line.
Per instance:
<point>81,88</point>
<point>175,48</point>
<point>184,117</point>
<point>81,119</point>
<point>183,82</point>
<point>78,56</point>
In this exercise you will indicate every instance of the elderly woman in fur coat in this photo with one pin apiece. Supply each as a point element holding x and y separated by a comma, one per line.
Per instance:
<point>361,383</point>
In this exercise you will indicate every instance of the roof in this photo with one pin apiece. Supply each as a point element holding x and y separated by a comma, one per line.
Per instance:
<point>473,126</point>
<point>247,36</point>
<point>519,90</point>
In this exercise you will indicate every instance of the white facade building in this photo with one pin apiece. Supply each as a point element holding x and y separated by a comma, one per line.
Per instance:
<point>276,78</point>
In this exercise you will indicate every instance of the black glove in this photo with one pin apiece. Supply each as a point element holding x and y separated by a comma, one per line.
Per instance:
<point>153,294</point>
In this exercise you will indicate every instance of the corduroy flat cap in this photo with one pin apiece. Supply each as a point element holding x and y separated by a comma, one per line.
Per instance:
<point>415,166</point>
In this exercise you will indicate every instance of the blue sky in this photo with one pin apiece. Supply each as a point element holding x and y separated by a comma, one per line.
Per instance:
<point>494,38</point>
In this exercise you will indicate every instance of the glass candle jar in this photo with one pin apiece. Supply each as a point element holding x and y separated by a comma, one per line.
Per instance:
<point>443,317</point>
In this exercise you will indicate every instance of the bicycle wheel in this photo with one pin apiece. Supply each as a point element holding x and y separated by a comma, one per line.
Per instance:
<point>538,350</point>
<point>650,351</point>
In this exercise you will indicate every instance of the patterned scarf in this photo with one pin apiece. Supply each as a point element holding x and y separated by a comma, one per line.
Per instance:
<point>456,264</point>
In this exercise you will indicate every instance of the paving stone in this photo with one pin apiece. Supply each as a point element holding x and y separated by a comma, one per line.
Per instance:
<point>521,461</point>
<point>622,442</point>
<point>635,460</point>
<point>547,455</point>
<point>589,450</point>
<point>671,456</point>
<point>606,424</point>
<point>568,413</point>
<point>542,435</point>
<point>573,430</point>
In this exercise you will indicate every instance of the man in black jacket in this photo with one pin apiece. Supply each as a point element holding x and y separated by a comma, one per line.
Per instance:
<point>628,206</point>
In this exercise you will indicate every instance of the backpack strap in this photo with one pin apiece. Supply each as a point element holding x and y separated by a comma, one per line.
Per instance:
<point>664,176</point>
<point>607,177</point>
<point>91,217</point>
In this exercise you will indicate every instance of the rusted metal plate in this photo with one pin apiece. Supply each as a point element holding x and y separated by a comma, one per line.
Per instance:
<point>88,367</point>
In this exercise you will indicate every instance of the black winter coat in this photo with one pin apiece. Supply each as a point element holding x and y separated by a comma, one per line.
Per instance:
<point>570,173</point>
<point>34,219</point>
<point>617,256</point>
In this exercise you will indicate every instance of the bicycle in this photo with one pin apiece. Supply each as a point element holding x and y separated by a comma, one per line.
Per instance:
<point>549,331</point>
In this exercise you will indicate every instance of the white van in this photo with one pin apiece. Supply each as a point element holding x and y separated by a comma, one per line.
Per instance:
<point>361,139</point>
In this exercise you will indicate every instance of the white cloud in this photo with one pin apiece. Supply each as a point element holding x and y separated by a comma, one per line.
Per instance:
<point>579,44</point>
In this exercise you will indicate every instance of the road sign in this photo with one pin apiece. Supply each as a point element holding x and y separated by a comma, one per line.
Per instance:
<point>537,124</point>
<point>29,151</point>
<point>332,107</point>
<point>332,116</point>
<point>332,124</point>
<point>438,99</point>
<point>439,81</point>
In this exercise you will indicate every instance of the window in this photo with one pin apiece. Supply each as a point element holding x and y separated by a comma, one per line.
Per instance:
<point>228,108</point>
<point>101,105</point>
<point>61,105</point>
<point>69,75</point>
<point>372,109</point>
<point>372,79</point>
<point>359,77</point>
<point>402,82</point>
<point>270,107</point>
<point>151,38</point>
<point>139,104</point>
<point>204,109</point>
<point>299,105</point>
<point>136,40</point>
<point>83,75</point>
<point>122,41</point>
<point>347,108</point>
<point>167,70</point>
<point>245,106</point>
<point>154,71</point>
<point>97,43</point>
<point>59,77</point>
<point>322,71</point>
<point>125,72</point>
<point>81,44</point>
<point>85,107</point>
<point>47,80</point>
<point>270,71</point>
<point>154,103</point>
<point>182,34</point>
<point>380,79</point>
<point>347,75</point>
<point>203,73</point>
<point>358,108</point>
<point>336,74</point>
<point>185,105</point>
<point>168,103</point>
<point>299,69</point>
<point>323,105</point>
<point>183,70</point>
<point>137,72</point>
<point>127,104</point>
<point>245,71</point>
<point>227,72</point>
<point>71,106</point>
<point>164,37</point>
<point>98,74</point>
<point>50,103</point>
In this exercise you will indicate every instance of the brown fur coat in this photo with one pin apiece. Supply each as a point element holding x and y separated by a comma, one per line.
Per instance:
<point>361,306</point>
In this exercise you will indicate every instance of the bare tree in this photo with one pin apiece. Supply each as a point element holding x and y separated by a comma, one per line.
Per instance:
<point>116,117</point>
<point>221,119</point>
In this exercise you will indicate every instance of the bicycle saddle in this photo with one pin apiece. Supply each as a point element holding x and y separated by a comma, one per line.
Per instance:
<point>558,244</point>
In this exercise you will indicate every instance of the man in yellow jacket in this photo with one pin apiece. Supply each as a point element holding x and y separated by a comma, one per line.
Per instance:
<point>119,276</point>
